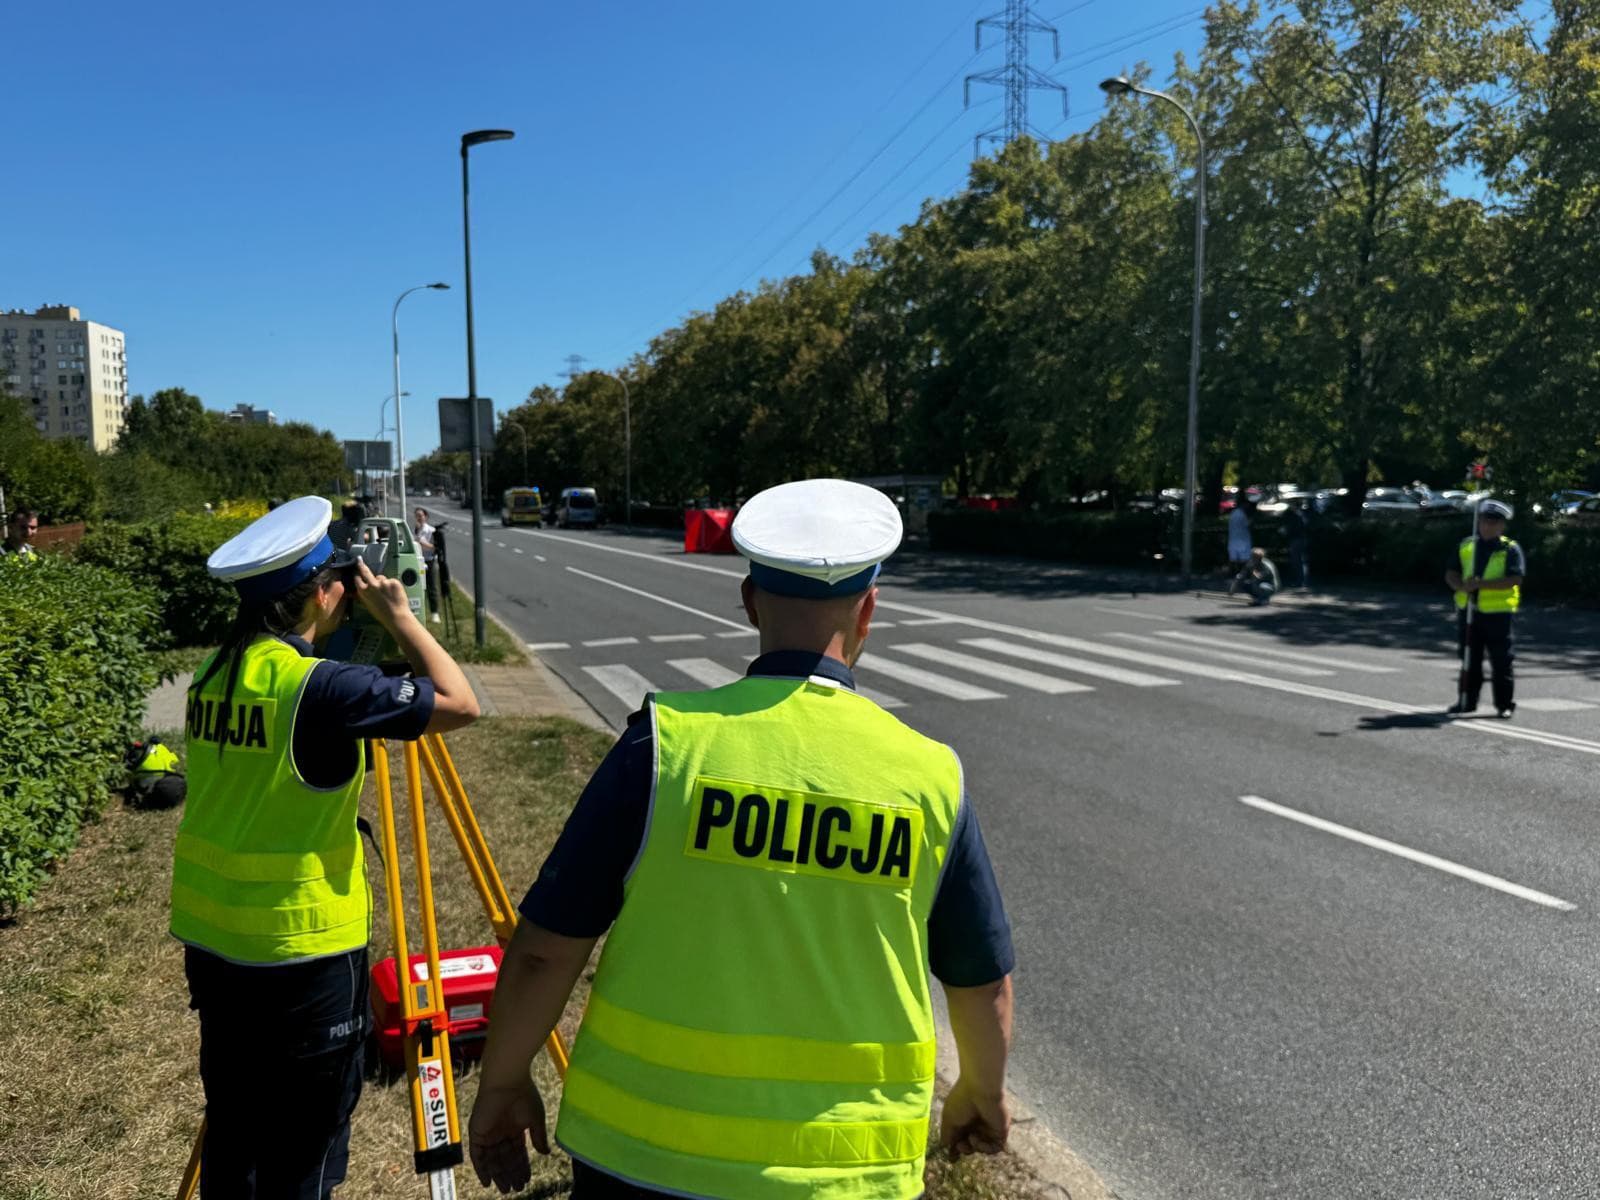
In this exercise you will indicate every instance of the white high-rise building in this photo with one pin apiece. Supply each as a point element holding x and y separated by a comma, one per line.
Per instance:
<point>74,373</point>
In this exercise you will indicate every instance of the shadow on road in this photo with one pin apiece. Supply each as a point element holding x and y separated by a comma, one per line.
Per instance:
<point>1371,724</point>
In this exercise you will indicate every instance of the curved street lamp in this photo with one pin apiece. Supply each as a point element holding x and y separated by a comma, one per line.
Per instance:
<point>399,425</point>
<point>1121,85</point>
<point>505,424</point>
<point>396,427</point>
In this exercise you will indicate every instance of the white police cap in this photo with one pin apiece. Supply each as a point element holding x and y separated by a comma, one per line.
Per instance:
<point>1494,508</point>
<point>280,550</point>
<point>817,538</point>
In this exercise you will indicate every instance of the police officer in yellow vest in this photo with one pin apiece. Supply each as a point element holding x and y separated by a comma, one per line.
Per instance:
<point>269,887</point>
<point>779,862</point>
<point>1486,575</point>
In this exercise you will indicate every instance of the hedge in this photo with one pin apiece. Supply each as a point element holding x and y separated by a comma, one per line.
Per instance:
<point>1563,562</point>
<point>74,675</point>
<point>169,558</point>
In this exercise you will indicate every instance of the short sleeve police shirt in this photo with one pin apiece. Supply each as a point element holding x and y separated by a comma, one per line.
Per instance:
<point>579,889</point>
<point>1516,560</point>
<point>344,703</point>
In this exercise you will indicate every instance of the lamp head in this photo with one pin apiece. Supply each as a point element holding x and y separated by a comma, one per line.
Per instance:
<point>440,287</point>
<point>479,136</point>
<point>1117,85</point>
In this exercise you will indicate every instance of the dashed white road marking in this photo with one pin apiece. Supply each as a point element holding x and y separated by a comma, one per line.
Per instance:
<point>732,633</point>
<point>1068,662</point>
<point>614,641</point>
<point>926,621</point>
<point>540,558</point>
<point>1343,664</point>
<point>677,637</point>
<point>1004,672</point>
<point>549,646</point>
<point>1416,856</point>
<point>1554,704</point>
<point>661,600</point>
<point>516,549</point>
<point>1123,612</point>
<point>943,685</point>
<point>624,683</point>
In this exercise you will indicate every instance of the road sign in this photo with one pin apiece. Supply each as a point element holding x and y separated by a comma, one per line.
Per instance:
<point>367,456</point>
<point>455,433</point>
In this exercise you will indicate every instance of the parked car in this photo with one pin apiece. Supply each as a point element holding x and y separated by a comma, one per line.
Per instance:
<point>1567,500</point>
<point>1586,513</point>
<point>1390,503</point>
<point>577,506</point>
<point>1282,500</point>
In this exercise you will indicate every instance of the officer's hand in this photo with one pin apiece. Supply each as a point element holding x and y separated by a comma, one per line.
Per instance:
<point>383,597</point>
<point>1471,584</point>
<point>494,1135</point>
<point>973,1124</point>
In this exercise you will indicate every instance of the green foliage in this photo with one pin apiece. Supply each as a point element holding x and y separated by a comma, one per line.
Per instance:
<point>74,674</point>
<point>57,478</point>
<point>169,558</point>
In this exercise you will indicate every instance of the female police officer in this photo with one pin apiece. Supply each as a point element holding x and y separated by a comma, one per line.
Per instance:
<point>269,888</point>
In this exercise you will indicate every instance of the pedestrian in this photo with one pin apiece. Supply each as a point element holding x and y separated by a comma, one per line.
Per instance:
<point>1486,575</point>
<point>1239,545</point>
<point>1258,578</point>
<point>779,862</point>
<point>1297,528</point>
<point>424,534</point>
<point>269,887</point>
<point>20,534</point>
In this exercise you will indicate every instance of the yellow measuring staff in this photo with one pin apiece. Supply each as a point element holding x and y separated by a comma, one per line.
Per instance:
<point>435,1120</point>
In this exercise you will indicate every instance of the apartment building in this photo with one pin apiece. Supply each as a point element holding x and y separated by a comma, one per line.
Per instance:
<point>73,372</point>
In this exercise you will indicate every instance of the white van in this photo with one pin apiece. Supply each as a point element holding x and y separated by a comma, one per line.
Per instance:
<point>577,506</point>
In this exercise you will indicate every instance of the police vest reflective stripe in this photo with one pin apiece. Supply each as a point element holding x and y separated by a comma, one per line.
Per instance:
<point>1490,600</point>
<point>760,1026</point>
<point>267,868</point>
<point>158,760</point>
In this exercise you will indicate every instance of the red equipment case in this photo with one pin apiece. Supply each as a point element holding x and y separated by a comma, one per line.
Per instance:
<point>469,978</point>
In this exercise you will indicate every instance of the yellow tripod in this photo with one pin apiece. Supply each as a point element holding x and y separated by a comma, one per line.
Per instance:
<point>435,1122</point>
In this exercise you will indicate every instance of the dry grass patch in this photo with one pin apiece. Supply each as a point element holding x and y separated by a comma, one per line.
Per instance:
<point>101,1095</point>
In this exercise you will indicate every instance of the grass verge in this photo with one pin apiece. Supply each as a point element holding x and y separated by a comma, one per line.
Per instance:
<point>102,1098</point>
<point>457,636</point>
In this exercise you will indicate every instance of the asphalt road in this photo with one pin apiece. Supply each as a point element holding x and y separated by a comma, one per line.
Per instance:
<point>1282,931</point>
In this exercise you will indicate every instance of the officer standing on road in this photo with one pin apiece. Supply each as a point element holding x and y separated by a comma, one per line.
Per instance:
<point>269,887</point>
<point>779,861</point>
<point>1487,575</point>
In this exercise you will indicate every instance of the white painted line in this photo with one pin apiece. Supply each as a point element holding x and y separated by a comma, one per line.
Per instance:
<point>1123,612</point>
<point>926,621</point>
<point>1405,852</point>
<point>677,637</point>
<point>1004,672</point>
<point>951,689</point>
<point>516,549</point>
<point>1343,664</point>
<point>616,641</point>
<point>1248,660</point>
<point>624,683</point>
<point>502,545</point>
<point>876,624</point>
<point>704,672</point>
<point>737,633</point>
<point>671,560</point>
<point>541,558</point>
<point>661,600</point>
<point>1552,704</point>
<point>881,699</point>
<point>549,646</point>
<point>1068,662</point>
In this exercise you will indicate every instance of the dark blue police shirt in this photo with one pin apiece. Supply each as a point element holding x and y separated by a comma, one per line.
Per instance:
<point>579,889</point>
<point>342,704</point>
<point>1485,548</point>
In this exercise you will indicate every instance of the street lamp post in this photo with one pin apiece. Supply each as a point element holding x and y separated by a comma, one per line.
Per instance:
<point>1121,85</point>
<point>469,140</point>
<point>523,434</point>
<point>399,425</point>
<point>396,428</point>
<point>627,439</point>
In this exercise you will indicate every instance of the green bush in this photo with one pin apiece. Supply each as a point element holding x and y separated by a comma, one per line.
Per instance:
<point>1563,562</point>
<point>74,674</point>
<point>169,558</point>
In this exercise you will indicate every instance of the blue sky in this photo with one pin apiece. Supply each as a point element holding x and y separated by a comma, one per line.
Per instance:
<point>246,189</point>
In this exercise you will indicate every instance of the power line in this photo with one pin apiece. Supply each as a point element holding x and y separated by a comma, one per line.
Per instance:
<point>1017,76</point>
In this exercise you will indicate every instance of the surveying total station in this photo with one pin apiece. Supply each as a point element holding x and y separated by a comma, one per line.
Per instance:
<point>387,547</point>
<point>413,990</point>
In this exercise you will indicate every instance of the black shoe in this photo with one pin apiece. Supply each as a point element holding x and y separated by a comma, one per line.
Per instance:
<point>1458,707</point>
<point>1505,713</point>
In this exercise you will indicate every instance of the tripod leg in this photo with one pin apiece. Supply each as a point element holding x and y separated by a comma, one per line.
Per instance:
<point>190,1184</point>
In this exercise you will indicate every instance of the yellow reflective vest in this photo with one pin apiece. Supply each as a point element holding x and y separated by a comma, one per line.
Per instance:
<point>267,868</point>
<point>1490,600</point>
<point>759,1026</point>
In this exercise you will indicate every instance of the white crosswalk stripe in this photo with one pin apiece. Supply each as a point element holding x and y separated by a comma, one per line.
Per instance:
<point>951,689</point>
<point>1068,662</point>
<point>1246,660</point>
<point>1004,672</point>
<point>1342,664</point>
<point>1165,662</point>
<point>624,683</point>
<point>703,671</point>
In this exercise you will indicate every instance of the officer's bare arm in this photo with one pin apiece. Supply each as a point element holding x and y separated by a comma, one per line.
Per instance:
<point>454,705</point>
<point>976,1118</point>
<point>1504,583</point>
<point>537,976</point>
<point>1452,579</point>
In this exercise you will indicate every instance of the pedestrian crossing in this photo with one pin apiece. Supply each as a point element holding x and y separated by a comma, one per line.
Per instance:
<point>970,669</point>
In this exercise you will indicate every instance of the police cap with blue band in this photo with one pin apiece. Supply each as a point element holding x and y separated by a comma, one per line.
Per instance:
<point>279,551</point>
<point>816,539</point>
<point>1494,508</point>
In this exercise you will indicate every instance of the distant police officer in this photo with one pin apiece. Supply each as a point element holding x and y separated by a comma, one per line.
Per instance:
<point>269,887</point>
<point>779,862</point>
<point>1486,575</point>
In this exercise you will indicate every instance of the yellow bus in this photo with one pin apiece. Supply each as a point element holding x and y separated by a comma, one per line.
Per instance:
<point>521,506</point>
